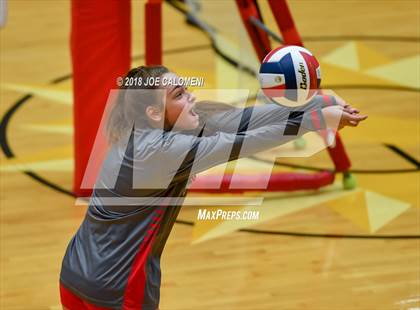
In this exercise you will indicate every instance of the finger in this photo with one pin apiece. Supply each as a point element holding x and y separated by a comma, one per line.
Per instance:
<point>351,110</point>
<point>356,117</point>
<point>348,122</point>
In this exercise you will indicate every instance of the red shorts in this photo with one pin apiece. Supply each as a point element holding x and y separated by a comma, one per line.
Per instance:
<point>72,302</point>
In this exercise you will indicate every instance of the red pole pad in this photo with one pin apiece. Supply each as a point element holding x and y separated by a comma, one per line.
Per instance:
<point>100,50</point>
<point>153,35</point>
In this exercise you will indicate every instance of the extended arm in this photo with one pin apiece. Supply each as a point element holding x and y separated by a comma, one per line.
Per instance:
<point>231,119</point>
<point>194,154</point>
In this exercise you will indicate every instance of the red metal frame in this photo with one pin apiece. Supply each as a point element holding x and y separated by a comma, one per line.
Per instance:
<point>285,22</point>
<point>248,9</point>
<point>282,15</point>
<point>259,38</point>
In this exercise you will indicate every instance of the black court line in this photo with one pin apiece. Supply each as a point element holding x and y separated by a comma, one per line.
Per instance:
<point>176,4</point>
<point>179,6</point>
<point>318,169</point>
<point>5,121</point>
<point>9,154</point>
<point>171,51</point>
<point>403,154</point>
<point>49,184</point>
<point>313,235</point>
<point>192,22</point>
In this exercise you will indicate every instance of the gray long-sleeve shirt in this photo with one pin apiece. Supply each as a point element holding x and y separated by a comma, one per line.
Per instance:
<point>114,258</point>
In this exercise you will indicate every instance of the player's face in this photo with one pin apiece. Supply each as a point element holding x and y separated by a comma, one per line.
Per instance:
<point>179,105</point>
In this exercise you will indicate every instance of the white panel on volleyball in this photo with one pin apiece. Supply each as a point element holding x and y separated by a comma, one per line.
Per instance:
<point>269,80</point>
<point>286,50</point>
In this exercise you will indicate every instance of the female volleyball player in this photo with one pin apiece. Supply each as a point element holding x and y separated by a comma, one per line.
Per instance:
<point>159,141</point>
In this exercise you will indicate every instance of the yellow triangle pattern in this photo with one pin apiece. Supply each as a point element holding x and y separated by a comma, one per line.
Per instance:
<point>333,75</point>
<point>356,64</point>
<point>61,129</point>
<point>57,95</point>
<point>62,160</point>
<point>382,209</point>
<point>54,152</point>
<point>370,58</point>
<point>345,56</point>
<point>367,210</point>
<point>202,227</point>
<point>274,207</point>
<point>405,72</point>
<point>49,165</point>
<point>353,208</point>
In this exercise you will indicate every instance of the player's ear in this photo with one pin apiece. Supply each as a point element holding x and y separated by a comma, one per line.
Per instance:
<point>154,113</point>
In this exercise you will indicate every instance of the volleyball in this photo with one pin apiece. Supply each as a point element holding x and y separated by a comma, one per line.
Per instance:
<point>290,75</point>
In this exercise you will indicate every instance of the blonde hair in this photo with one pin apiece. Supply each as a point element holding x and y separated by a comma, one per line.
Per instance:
<point>129,109</point>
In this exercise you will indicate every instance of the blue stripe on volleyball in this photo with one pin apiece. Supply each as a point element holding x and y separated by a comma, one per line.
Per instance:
<point>284,66</point>
<point>286,63</point>
<point>271,67</point>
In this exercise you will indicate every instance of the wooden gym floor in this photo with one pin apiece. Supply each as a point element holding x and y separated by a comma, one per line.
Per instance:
<point>369,52</point>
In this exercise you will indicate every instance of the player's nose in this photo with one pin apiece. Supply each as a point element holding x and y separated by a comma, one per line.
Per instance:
<point>192,97</point>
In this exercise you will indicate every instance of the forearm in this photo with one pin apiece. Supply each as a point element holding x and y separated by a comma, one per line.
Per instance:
<point>223,147</point>
<point>241,119</point>
<point>208,151</point>
<point>198,153</point>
